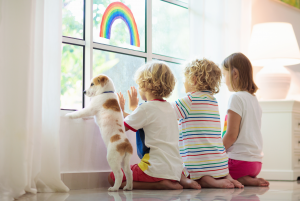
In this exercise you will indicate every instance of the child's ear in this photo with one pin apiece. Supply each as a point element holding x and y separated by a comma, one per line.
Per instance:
<point>194,80</point>
<point>235,73</point>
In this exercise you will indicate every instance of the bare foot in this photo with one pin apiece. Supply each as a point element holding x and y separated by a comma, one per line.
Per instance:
<point>188,183</point>
<point>210,182</point>
<point>168,185</point>
<point>236,183</point>
<point>161,185</point>
<point>249,181</point>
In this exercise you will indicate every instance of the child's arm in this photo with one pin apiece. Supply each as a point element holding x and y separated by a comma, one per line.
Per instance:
<point>122,103</point>
<point>182,107</point>
<point>133,99</point>
<point>233,128</point>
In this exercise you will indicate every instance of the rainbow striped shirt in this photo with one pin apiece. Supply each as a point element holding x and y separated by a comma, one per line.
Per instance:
<point>200,142</point>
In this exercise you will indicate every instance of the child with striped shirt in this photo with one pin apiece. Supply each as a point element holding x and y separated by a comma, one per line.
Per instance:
<point>200,143</point>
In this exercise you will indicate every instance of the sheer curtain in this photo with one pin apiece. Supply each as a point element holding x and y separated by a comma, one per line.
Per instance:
<point>30,53</point>
<point>219,28</point>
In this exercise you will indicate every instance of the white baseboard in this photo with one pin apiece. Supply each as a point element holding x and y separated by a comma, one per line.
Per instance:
<point>85,180</point>
<point>287,175</point>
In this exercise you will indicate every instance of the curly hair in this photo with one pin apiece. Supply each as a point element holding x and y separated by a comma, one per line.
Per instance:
<point>157,78</point>
<point>204,75</point>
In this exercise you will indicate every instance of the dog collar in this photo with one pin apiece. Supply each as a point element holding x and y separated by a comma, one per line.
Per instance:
<point>108,92</point>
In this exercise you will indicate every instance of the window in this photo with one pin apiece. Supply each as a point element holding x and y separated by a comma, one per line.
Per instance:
<point>170,29</point>
<point>115,37</point>
<point>73,18</point>
<point>71,76</point>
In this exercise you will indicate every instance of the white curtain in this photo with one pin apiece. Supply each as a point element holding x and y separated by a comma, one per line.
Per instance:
<point>30,53</point>
<point>219,28</point>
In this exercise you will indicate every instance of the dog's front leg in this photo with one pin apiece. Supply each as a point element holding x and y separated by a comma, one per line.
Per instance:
<point>86,112</point>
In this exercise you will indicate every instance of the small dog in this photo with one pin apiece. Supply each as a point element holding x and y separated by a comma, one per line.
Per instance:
<point>105,108</point>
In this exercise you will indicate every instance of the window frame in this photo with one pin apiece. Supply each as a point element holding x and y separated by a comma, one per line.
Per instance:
<point>88,43</point>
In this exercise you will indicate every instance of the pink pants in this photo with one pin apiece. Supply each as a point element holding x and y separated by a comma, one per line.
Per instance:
<point>238,169</point>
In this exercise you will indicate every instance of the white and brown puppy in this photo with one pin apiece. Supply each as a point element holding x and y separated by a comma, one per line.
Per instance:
<point>104,106</point>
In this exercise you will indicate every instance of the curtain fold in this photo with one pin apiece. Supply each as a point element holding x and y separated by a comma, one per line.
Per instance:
<point>219,28</point>
<point>30,53</point>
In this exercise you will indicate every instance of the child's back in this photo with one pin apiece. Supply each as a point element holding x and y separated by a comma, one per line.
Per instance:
<point>160,138</point>
<point>249,144</point>
<point>242,137</point>
<point>200,143</point>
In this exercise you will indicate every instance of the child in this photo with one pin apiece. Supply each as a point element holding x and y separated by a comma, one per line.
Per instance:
<point>243,138</point>
<point>200,141</point>
<point>161,164</point>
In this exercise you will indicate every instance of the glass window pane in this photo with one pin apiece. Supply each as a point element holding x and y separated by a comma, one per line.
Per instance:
<point>71,77</point>
<point>170,29</point>
<point>119,67</point>
<point>72,18</point>
<point>185,1</point>
<point>118,20</point>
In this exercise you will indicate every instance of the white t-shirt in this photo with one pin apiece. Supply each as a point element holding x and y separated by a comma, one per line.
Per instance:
<point>159,122</point>
<point>249,144</point>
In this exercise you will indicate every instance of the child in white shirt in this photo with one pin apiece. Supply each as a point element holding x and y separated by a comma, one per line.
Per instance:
<point>161,165</point>
<point>243,138</point>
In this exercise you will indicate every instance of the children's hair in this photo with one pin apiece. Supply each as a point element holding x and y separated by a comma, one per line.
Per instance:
<point>208,75</point>
<point>243,65</point>
<point>157,78</point>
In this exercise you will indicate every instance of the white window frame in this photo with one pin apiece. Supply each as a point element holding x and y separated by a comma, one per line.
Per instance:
<point>88,43</point>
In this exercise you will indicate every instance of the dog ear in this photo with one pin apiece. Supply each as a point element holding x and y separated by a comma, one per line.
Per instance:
<point>102,80</point>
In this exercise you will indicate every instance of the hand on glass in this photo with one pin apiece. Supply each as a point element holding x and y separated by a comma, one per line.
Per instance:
<point>121,101</point>
<point>133,99</point>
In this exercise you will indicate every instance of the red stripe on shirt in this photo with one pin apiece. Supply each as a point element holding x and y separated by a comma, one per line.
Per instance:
<point>203,104</point>
<point>125,124</point>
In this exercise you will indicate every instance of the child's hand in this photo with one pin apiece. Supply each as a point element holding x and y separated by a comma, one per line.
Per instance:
<point>121,100</point>
<point>133,99</point>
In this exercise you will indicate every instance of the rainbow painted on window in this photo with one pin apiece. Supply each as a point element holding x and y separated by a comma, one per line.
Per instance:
<point>294,3</point>
<point>118,10</point>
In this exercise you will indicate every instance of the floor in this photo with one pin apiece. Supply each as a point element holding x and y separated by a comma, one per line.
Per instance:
<point>277,191</point>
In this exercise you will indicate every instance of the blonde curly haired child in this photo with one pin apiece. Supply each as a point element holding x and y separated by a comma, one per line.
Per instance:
<point>155,124</point>
<point>200,143</point>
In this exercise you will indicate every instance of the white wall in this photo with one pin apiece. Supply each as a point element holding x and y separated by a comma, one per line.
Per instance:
<point>275,11</point>
<point>82,148</point>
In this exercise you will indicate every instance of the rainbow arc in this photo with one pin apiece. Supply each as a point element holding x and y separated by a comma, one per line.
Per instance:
<point>118,10</point>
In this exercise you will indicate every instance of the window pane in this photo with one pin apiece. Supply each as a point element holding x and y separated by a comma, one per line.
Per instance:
<point>72,18</point>
<point>71,77</point>
<point>170,29</point>
<point>119,67</point>
<point>185,1</point>
<point>112,17</point>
